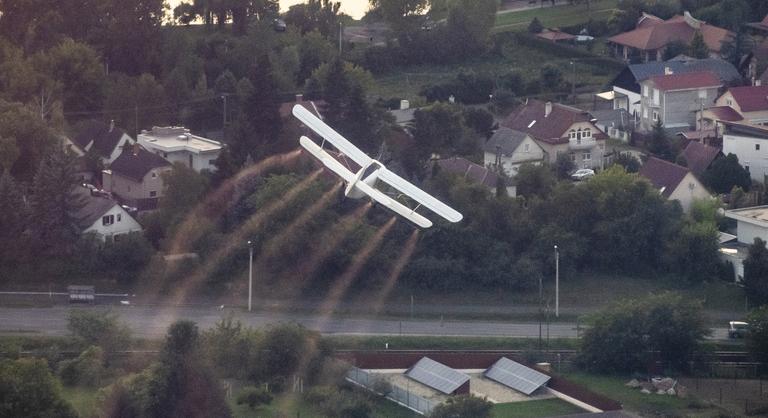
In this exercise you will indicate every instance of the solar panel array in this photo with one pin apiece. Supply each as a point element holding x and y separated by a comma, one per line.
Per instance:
<point>437,376</point>
<point>516,376</point>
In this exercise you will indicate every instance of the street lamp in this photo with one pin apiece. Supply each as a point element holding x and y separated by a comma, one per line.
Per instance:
<point>557,283</point>
<point>250,274</point>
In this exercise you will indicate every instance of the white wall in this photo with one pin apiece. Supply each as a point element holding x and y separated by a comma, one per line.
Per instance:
<point>747,232</point>
<point>199,161</point>
<point>688,190</point>
<point>125,225</point>
<point>744,148</point>
<point>511,164</point>
<point>125,139</point>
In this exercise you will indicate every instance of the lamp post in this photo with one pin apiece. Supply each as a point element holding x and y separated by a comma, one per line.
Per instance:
<point>250,274</point>
<point>557,283</point>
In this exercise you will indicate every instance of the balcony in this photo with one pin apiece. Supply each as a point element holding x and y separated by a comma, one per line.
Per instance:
<point>582,144</point>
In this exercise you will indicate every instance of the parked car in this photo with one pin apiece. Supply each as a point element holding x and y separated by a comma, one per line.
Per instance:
<point>583,174</point>
<point>279,25</point>
<point>737,329</point>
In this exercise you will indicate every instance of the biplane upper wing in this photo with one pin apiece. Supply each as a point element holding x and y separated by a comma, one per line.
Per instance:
<point>338,141</point>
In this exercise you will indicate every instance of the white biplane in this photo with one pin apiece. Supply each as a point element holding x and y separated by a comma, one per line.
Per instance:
<point>363,183</point>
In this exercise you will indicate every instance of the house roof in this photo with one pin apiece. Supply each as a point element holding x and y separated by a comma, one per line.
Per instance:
<point>725,113</point>
<point>762,25</point>
<point>94,207</point>
<point>505,140</point>
<point>647,19</point>
<point>664,175</point>
<point>105,138</point>
<point>724,70</point>
<point>531,118</point>
<point>555,35</point>
<point>672,82</point>
<point>750,98</point>
<point>313,106</point>
<point>135,162</point>
<point>648,37</point>
<point>699,156</point>
<point>469,170</point>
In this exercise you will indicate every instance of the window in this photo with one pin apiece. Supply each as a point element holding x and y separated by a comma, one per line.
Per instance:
<point>165,155</point>
<point>573,134</point>
<point>656,97</point>
<point>587,133</point>
<point>119,217</point>
<point>729,102</point>
<point>645,90</point>
<point>655,116</point>
<point>153,194</point>
<point>757,147</point>
<point>211,162</point>
<point>586,156</point>
<point>527,148</point>
<point>108,220</point>
<point>154,175</point>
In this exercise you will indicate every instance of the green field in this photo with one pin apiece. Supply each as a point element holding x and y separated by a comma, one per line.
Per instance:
<point>534,409</point>
<point>555,17</point>
<point>293,406</point>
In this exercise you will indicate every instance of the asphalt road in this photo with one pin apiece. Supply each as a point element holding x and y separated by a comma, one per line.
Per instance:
<point>153,321</point>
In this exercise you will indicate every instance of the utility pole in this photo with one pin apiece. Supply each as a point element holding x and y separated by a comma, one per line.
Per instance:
<point>341,36</point>
<point>573,81</point>
<point>250,275</point>
<point>557,283</point>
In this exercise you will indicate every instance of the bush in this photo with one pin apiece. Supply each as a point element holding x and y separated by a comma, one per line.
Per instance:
<point>87,369</point>
<point>253,397</point>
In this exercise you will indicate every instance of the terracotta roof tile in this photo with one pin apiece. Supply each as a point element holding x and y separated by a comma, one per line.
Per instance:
<point>750,98</point>
<point>725,113</point>
<point>686,81</point>
<point>552,128</point>
<point>664,175</point>
<point>699,156</point>
<point>652,37</point>
<point>469,170</point>
<point>555,36</point>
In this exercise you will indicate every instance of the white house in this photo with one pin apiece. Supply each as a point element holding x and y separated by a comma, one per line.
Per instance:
<point>674,182</point>
<point>751,223</point>
<point>103,216</point>
<point>508,149</point>
<point>750,143</point>
<point>177,144</point>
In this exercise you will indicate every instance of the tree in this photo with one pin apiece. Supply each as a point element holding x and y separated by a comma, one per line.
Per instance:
<point>400,14</point>
<point>25,132</point>
<point>674,49</point>
<point>630,163</point>
<point>726,173</point>
<point>102,329</point>
<point>78,72</point>
<point>55,203</point>
<point>13,220</point>
<point>468,26</point>
<point>756,273</point>
<point>27,389</point>
<point>319,15</point>
<point>698,48</point>
<point>757,337</point>
<point>535,26</point>
<point>534,180</point>
<point>564,165</point>
<point>551,77</point>
<point>623,337</point>
<point>737,46</point>
<point>253,397</point>
<point>693,254</point>
<point>465,406</point>
<point>660,144</point>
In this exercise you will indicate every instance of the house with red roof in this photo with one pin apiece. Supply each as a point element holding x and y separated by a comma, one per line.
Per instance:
<point>674,182</point>
<point>750,102</point>
<point>651,36</point>
<point>674,99</point>
<point>560,129</point>
<point>699,157</point>
<point>473,173</point>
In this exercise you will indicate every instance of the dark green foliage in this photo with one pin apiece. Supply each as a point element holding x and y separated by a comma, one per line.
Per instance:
<point>697,48</point>
<point>726,173</point>
<point>468,26</point>
<point>253,397</point>
<point>333,402</point>
<point>13,221</point>
<point>27,389</point>
<point>551,77</point>
<point>674,49</point>
<point>757,337</point>
<point>534,180</point>
<point>99,328</point>
<point>126,257</point>
<point>564,165</point>
<point>465,406</point>
<point>86,370</point>
<point>629,162</point>
<point>621,338</point>
<point>737,46</point>
<point>660,144</point>
<point>479,120</point>
<point>691,254</point>
<point>55,204</point>
<point>319,15</point>
<point>31,138</point>
<point>514,82</point>
<point>756,273</point>
<point>535,26</point>
<point>467,88</point>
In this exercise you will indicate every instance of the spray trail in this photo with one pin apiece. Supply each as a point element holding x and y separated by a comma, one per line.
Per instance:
<point>239,237</point>
<point>405,256</point>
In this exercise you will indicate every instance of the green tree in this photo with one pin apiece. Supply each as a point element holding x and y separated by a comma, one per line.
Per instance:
<point>674,49</point>
<point>13,221</point>
<point>438,129</point>
<point>737,46</point>
<point>86,370</point>
<point>564,165</point>
<point>698,48</point>
<point>78,72</point>
<point>30,135</point>
<point>534,180</point>
<point>99,328</point>
<point>726,173</point>
<point>756,273</point>
<point>660,144</point>
<point>551,77</point>
<point>54,204</point>
<point>693,253</point>
<point>400,14</point>
<point>27,389</point>
<point>468,26</point>
<point>535,26</point>
<point>623,337</point>
<point>629,162</point>
<point>465,406</point>
<point>253,397</point>
<point>184,188</point>
<point>757,337</point>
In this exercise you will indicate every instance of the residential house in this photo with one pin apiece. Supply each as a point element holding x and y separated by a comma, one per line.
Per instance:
<point>560,129</point>
<point>674,99</point>
<point>651,36</point>
<point>711,119</point>
<point>626,85</point>
<point>749,143</point>
<point>750,102</point>
<point>674,182</point>
<point>404,115</point>
<point>178,144</point>
<point>751,223</point>
<point>508,149</point>
<point>107,141</point>
<point>103,216</point>
<point>474,173</point>
<point>136,177</point>
<point>699,157</point>
<point>616,123</point>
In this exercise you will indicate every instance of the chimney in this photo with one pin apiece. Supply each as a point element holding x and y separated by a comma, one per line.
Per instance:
<point>547,109</point>
<point>299,98</point>
<point>405,104</point>
<point>668,71</point>
<point>111,125</point>
<point>135,149</point>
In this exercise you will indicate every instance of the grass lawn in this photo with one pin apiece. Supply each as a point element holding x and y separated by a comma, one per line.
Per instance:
<point>646,405</point>
<point>85,400</point>
<point>293,406</point>
<point>558,16</point>
<point>348,342</point>
<point>534,409</point>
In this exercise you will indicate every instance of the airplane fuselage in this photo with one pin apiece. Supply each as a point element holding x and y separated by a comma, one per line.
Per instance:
<point>354,192</point>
